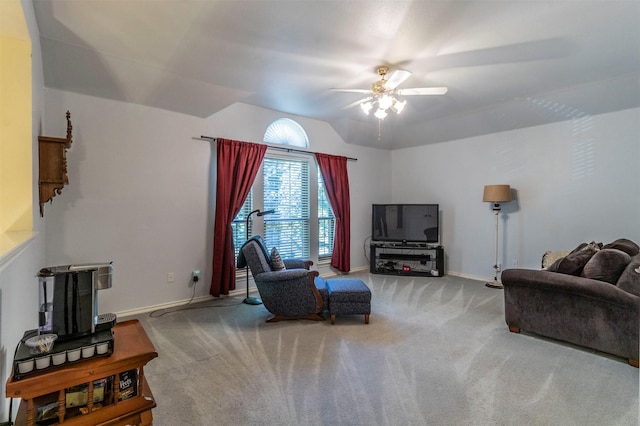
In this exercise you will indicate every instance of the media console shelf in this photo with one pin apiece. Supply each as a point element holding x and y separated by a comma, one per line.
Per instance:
<point>406,259</point>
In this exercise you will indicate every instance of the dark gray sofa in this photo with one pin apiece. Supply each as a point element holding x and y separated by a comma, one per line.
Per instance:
<point>589,298</point>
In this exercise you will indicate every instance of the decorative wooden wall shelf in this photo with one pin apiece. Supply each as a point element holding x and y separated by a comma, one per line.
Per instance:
<point>52,153</point>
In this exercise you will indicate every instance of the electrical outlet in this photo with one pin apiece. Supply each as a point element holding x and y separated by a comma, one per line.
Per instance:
<point>514,263</point>
<point>195,276</point>
<point>170,277</point>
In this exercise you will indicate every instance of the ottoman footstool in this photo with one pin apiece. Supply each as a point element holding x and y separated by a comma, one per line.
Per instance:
<point>348,296</point>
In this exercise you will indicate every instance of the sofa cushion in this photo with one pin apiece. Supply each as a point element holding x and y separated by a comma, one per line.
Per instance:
<point>276,261</point>
<point>606,265</point>
<point>629,281</point>
<point>625,245</point>
<point>573,263</point>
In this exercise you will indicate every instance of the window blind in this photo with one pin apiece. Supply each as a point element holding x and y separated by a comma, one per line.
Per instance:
<point>326,221</point>
<point>286,190</point>
<point>239,224</point>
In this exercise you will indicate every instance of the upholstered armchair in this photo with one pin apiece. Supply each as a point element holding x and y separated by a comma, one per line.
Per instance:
<point>289,292</point>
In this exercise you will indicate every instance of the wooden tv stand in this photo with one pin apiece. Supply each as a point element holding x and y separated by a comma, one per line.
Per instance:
<point>132,351</point>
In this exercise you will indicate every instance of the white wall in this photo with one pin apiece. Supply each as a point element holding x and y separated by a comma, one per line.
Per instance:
<point>18,285</point>
<point>575,181</point>
<point>141,192</point>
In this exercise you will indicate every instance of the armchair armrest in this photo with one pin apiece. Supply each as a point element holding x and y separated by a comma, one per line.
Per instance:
<point>290,292</point>
<point>297,263</point>
<point>285,275</point>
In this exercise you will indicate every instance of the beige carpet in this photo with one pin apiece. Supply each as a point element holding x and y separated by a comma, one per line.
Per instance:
<point>437,352</point>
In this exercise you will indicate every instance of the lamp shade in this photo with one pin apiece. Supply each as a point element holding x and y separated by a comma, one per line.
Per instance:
<point>497,193</point>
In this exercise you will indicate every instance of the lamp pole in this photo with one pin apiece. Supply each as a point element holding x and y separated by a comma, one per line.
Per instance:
<point>496,194</point>
<point>253,300</point>
<point>496,283</point>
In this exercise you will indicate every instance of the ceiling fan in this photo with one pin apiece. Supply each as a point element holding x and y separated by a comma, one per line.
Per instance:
<point>384,93</point>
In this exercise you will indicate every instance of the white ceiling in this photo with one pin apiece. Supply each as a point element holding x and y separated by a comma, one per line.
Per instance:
<point>508,64</point>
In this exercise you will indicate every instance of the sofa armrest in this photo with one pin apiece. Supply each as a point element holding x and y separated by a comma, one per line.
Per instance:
<point>569,284</point>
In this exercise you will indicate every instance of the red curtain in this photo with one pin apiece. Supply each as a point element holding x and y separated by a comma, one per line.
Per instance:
<point>237,166</point>
<point>336,181</point>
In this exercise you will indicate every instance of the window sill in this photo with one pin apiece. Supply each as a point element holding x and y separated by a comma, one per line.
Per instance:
<point>12,242</point>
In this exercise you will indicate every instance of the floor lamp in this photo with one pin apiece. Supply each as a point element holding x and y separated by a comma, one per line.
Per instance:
<point>496,194</point>
<point>253,300</point>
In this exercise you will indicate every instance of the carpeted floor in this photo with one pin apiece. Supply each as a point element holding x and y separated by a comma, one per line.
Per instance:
<point>437,352</point>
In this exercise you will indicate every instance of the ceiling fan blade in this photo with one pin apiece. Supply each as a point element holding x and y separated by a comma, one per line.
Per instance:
<point>351,105</point>
<point>396,79</point>
<point>352,90</point>
<point>414,91</point>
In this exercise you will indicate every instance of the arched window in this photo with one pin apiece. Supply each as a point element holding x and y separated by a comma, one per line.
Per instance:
<point>285,131</point>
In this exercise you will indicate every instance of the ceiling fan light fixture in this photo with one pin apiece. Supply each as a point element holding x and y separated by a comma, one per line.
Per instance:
<point>380,114</point>
<point>385,101</point>
<point>398,106</point>
<point>366,107</point>
<point>384,93</point>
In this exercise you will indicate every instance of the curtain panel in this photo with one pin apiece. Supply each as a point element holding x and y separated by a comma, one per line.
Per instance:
<point>336,181</point>
<point>237,165</point>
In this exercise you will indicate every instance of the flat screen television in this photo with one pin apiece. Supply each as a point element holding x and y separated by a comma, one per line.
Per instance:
<point>411,223</point>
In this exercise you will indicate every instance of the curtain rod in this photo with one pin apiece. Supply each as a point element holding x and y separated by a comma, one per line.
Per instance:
<point>281,148</point>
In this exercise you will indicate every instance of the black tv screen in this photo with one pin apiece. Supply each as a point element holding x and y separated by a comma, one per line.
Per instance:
<point>415,223</point>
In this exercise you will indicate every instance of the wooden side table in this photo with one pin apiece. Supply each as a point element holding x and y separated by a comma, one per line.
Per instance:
<point>132,351</point>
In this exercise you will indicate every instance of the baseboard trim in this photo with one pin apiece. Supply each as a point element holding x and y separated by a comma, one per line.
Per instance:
<point>150,308</point>
<point>470,277</point>
<point>240,290</point>
<point>178,303</point>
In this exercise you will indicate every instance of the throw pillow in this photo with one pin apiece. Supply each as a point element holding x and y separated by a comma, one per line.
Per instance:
<point>625,245</point>
<point>595,246</point>
<point>606,265</point>
<point>573,263</point>
<point>550,256</point>
<point>629,281</point>
<point>276,261</point>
